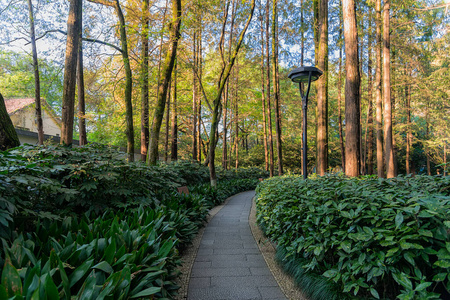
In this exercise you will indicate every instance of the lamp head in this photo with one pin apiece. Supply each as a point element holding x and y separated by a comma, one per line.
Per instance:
<point>302,74</point>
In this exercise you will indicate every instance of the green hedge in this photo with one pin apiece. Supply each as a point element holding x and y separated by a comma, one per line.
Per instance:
<point>82,223</point>
<point>373,238</point>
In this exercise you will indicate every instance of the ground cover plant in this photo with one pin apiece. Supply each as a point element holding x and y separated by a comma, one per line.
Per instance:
<point>370,238</point>
<point>82,223</point>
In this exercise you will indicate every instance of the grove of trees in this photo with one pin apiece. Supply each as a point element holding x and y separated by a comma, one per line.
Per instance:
<point>207,80</point>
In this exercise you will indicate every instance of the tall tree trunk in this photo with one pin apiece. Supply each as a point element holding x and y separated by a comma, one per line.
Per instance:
<point>370,99</point>
<point>37,84</point>
<point>378,98</point>
<point>166,75</point>
<point>217,101</point>
<point>166,136</point>
<point>128,84</point>
<point>70,72</point>
<point>408,128</point>
<point>276,85</point>
<point>427,137</point>
<point>352,113</point>
<point>389,149</point>
<point>322,91</point>
<point>341,134</point>
<point>194,99</point>
<point>225,92</point>
<point>225,129</point>
<point>144,81</point>
<point>174,134</point>
<point>263,95</point>
<point>236,117</point>
<point>199,98</point>
<point>445,158</point>
<point>269,107</point>
<point>80,85</point>
<point>8,135</point>
<point>129,130</point>
<point>302,59</point>
<point>394,143</point>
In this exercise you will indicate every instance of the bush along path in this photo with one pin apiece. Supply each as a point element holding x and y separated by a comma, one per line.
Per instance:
<point>363,238</point>
<point>83,224</point>
<point>229,264</point>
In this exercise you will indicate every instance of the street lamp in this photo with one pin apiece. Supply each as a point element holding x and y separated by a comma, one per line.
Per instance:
<point>301,76</point>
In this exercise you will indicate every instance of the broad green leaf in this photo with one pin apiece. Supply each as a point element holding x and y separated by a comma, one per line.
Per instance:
<point>330,273</point>
<point>346,246</point>
<point>440,277</point>
<point>392,251</point>
<point>374,293</point>
<point>147,292</point>
<point>398,219</point>
<point>50,288</point>
<point>422,286</point>
<point>80,272</point>
<point>10,279</point>
<point>442,263</point>
<point>110,251</point>
<point>447,224</point>
<point>104,266</point>
<point>165,249</point>
<point>403,280</point>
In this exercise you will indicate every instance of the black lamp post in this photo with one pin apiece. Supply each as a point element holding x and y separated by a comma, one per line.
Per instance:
<point>302,75</point>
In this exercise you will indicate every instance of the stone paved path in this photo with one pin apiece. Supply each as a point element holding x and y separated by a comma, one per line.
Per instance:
<point>229,265</point>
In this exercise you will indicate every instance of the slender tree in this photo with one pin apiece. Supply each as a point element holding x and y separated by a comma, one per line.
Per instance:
<point>37,84</point>
<point>164,85</point>
<point>378,98</point>
<point>341,134</point>
<point>80,86</point>
<point>352,113</point>
<point>70,72</point>
<point>174,131</point>
<point>276,85</point>
<point>388,140</point>
<point>263,93</point>
<point>269,106</point>
<point>225,73</point>
<point>322,90</point>
<point>129,131</point>
<point>369,131</point>
<point>144,80</point>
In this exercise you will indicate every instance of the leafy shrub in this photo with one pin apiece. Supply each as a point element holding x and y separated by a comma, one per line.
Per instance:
<point>82,223</point>
<point>129,254</point>
<point>372,237</point>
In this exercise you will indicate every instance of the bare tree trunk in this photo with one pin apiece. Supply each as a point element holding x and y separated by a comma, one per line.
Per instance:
<point>408,128</point>
<point>167,69</point>
<point>302,59</point>
<point>427,137</point>
<point>263,95</point>
<point>369,142</point>
<point>322,91</point>
<point>276,85</point>
<point>225,92</point>
<point>194,100</point>
<point>389,149</point>
<point>341,134</point>
<point>70,72</point>
<point>269,107</point>
<point>129,131</point>
<point>236,117</point>
<point>217,101</point>
<point>352,113</point>
<point>8,135</point>
<point>166,136</point>
<point>199,98</point>
<point>144,81</point>
<point>37,84</point>
<point>379,100</point>
<point>174,134</point>
<point>80,84</point>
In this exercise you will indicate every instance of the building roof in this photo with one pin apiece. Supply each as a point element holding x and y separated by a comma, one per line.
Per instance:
<point>14,105</point>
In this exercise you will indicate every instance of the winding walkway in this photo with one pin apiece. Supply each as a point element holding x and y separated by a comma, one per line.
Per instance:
<point>229,264</point>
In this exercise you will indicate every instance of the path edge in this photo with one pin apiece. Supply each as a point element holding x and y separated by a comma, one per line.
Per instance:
<point>268,251</point>
<point>190,254</point>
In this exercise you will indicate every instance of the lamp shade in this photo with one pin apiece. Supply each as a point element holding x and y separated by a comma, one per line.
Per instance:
<point>302,74</point>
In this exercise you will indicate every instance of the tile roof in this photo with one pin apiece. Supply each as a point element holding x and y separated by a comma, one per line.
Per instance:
<point>14,105</point>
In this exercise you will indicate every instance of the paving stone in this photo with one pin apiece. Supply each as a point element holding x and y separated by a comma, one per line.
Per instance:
<point>228,265</point>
